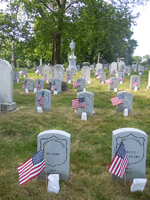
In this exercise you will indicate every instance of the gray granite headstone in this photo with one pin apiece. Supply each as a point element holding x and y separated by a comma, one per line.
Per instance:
<point>120,76</point>
<point>24,70</point>
<point>16,76</point>
<point>85,73</point>
<point>57,153</point>
<point>78,67</point>
<point>40,71</point>
<point>29,84</point>
<point>47,99</point>
<point>105,66</point>
<point>46,73</point>
<point>135,142</point>
<point>58,85</point>
<point>121,66</point>
<point>92,68</point>
<point>103,74</point>
<point>40,82</point>
<point>58,72</point>
<point>141,70</point>
<point>100,71</point>
<point>89,102</point>
<point>113,67</point>
<point>134,79</point>
<point>69,76</point>
<point>128,99</point>
<point>82,86</point>
<point>114,85</point>
<point>127,70</point>
<point>134,67</point>
<point>73,71</point>
<point>6,86</point>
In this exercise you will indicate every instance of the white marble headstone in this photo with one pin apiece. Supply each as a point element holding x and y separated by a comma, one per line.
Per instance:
<point>115,83</point>
<point>58,85</point>
<point>85,73</point>
<point>82,86</point>
<point>47,99</point>
<point>58,72</point>
<point>46,73</point>
<point>135,79</point>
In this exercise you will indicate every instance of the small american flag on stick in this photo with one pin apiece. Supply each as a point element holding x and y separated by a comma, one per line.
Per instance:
<point>76,83</point>
<point>41,99</point>
<point>135,83</point>
<point>108,81</point>
<point>78,103</point>
<point>117,100</point>
<point>53,86</point>
<point>25,83</point>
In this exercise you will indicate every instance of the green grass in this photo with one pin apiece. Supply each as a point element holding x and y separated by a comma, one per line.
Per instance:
<point>91,141</point>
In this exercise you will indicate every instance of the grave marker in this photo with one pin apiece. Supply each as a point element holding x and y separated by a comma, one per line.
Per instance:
<point>46,99</point>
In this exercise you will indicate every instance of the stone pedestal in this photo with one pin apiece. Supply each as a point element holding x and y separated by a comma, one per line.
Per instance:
<point>8,106</point>
<point>72,62</point>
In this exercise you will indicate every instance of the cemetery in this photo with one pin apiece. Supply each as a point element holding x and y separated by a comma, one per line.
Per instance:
<point>80,151</point>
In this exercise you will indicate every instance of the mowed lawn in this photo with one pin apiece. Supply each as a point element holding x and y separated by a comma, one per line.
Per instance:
<point>91,141</point>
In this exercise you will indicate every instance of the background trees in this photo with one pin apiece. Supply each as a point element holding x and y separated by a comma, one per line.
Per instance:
<point>45,28</point>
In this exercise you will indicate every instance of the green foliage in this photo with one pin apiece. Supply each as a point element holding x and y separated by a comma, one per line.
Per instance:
<point>138,59</point>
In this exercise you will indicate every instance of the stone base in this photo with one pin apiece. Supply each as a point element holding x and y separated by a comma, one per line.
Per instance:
<point>148,87</point>
<point>8,106</point>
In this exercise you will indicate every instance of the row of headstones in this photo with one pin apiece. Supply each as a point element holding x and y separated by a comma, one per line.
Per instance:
<point>57,152</point>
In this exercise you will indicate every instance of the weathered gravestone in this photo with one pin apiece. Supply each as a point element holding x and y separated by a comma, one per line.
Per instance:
<point>58,85</point>
<point>114,85</point>
<point>85,73</point>
<point>78,67</point>
<point>100,71</point>
<point>69,76</point>
<point>16,76</point>
<point>128,99</point>
<point>86,64</point>
<point>135,142</point>
<point>103,77</point>
<point>148,87</point>
<point>135,82</point>
<point>99,66</point>
<point>24,70</point>
<point>29,84</point>
<point>134,67</point>
<point>6,86</point>
<point>46,73</point>
<point>57,153</point>
<point>39,84</point>
<point>105,66</point>
<point>92,68</point>
<point>141,70</point>
<point>89,103</point>
<point>40,69</point>
<point>121,66</point>
<point>46,99</point>
<point>127,70</point>
<point>82,86</point>
<point>73,71</point>
<point>58,72</point>
<point>113,69</point>
<point>120,76</point>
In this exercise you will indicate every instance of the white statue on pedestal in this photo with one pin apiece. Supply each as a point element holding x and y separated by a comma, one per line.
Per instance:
<point>72,57</point>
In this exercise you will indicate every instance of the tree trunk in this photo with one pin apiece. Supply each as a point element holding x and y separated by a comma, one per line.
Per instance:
<point>56,48</point>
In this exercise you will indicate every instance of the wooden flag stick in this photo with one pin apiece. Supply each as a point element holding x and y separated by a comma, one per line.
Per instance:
<point>45,166</point>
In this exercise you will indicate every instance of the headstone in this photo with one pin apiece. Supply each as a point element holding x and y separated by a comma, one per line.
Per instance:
<point>29,84</point>
<point>103,77</point>
<point>120,76</point>
<point>114,85</point>
<point>141,70</point>
<point>78,67</point>
<point>16,76</point>
<point>148,87</point>
<point>40,68</point>
<point>92,68</point>
<point>58,85</point>
<point>57,153</point>
<point>99,66</point>
<point>105,66</point>
<point>121,66</point>
<point>58,72</point>
<point>113,68</point>
<point>82,86</point>
<point>128,99</point>
<point>24,70</point>
<point>89,102</point>
<point>134,67</point>
<point>46,73</point>
<point>85,73</point>
<point>6,86</point>
<point>39,84</point>
<point>100,71</point>
<point>73,71</point>
<point>47,99</point>
<point>127,70</point>
<point>69,76</point>
<point>86,64</point>
<point>135,82</point>
<point>135,142</point>
<point>72,57</point>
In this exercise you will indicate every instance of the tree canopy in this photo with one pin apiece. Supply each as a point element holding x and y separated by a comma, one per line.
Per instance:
<point>45,28</point>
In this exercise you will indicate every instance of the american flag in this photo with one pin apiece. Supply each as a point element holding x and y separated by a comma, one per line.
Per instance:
<point>78,103</point>
<point>127,71</point>
<point>41,99</point>
<point>120,162</point>
<point>96,73</point>
<point>99,77</point>
<point>37,71</point>
<point>53,86</point>
<point>77,83</point>
<point>105,68</point>
<point>68,77</point>
<point>117,100</point>
<point>135,83</point>
<point>114,71</point>
<point>45,78</point>
<point>21,72</point>
<point>140,70</point>
<point>38,85</point>
<point>108,81</point>
<point>32,167</point>
<point>121,78</point>
<point>25,83</point>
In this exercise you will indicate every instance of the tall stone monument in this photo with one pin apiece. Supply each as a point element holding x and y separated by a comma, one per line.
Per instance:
<point>13,62</point>
<point>72,58</point>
